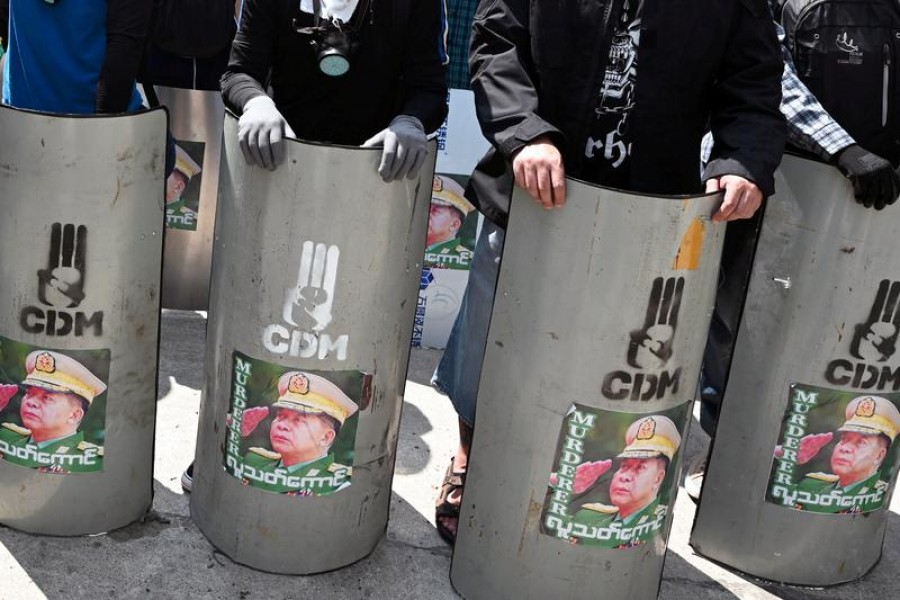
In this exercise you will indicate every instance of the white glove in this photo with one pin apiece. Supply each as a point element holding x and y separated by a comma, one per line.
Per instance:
<point>404,148</point>
<point>261,133</point>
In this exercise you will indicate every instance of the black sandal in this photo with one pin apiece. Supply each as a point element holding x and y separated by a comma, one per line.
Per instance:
<point>443,508</point>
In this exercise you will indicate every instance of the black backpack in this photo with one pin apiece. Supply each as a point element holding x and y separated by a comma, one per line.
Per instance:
<point>848,53</point>
<point>194,28</point>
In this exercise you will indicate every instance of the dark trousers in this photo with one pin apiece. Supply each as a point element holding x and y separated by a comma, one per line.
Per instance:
<point>734,277</point>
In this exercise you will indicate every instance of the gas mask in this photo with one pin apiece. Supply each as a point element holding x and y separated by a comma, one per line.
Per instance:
<point>333,40</point>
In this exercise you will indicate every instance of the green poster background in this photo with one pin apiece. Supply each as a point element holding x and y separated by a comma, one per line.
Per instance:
<point>607,441</point>
<point>12,371</point>
<point>262,390</point>
<point>827,416</point>
<point>191,194</point>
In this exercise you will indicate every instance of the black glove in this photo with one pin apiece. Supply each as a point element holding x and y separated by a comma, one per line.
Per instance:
<point>875,183</point>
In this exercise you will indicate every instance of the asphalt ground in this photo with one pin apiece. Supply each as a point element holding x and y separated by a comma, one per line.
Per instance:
<point>166,556</point>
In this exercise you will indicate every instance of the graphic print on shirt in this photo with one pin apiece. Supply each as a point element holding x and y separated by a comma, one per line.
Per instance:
<point>609,145</point>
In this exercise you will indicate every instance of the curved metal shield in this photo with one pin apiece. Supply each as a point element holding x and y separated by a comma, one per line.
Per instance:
<point>314,286</point>
<point>815,371</point>
<point>81,241</point>
<point>594,351</point>
<point>196,124</point>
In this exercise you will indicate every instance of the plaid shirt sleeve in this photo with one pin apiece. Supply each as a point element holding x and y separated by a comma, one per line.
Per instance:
<point>460,14</point>
<point>810,127</point>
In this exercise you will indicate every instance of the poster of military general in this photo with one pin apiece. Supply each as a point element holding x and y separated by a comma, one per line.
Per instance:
<point>836,452</point>
<point>292,431</point>
<point>614,475</point>
<point>53,407</point>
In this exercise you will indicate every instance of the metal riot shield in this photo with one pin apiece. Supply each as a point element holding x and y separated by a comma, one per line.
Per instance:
<point>594,351</point>
<point>805,455</point>
<point>196,119</point>
<point>315,278</point>
<point>81,221</point>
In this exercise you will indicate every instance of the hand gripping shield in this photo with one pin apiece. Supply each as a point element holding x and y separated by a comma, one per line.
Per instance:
<point>594,350</point>
<point>805,455</point>
<point>316,272</point>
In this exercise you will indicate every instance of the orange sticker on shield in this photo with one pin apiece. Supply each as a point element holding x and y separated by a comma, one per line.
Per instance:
<point>688,257</point>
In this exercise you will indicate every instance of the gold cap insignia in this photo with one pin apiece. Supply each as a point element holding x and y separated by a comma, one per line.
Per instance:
<point>299,384</point>
<point>437,184</point>
<point>45,363</point>
<point>866,408</point>
<point>647,429</point>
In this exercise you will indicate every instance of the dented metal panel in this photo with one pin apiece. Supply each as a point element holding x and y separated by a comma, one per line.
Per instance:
<point>315,277</point>
<point>196,125</point>
<point>593,355</point>
<point>81,224</point>
<point>815,365</point>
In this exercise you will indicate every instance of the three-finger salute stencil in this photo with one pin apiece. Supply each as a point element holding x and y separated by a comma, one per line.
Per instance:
<point>876,339</point>
<point>61,284</point>
<point>308,305</point>
<point>651,346</point>
<point>305,330</point>
<point>871,359</point>
<point>649,375</point>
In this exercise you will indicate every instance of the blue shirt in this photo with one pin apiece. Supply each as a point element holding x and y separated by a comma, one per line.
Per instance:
<point>56,53</point>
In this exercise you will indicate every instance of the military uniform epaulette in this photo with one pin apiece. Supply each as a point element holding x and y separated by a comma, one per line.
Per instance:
<point>826,477</point>
<point>17,428</point>
<point>601,508</point>
<point>85,445</point>
<point>266,453</point>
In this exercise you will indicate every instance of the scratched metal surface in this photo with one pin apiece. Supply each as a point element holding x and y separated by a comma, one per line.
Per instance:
<point>333,196</point>
<point>196,116</point>
<point>573,291</point>
<point>107,175</point>
<point>835,253</point>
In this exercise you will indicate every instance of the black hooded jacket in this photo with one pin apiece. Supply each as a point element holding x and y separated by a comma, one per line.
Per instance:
<point>537,65</point>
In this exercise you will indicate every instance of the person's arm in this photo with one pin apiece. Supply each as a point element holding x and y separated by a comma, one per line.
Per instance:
<point>810,127</point>
<point>424,74</point>
<point>251,54</point>
<point>507,100</point>
<point>261,128</point>
<point>748,128</point>
<point>127,23</point>
<point>506,97</point>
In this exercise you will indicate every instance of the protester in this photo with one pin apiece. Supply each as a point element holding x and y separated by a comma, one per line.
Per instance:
<point>812,131</point>
<point>75,57</point>
<point>662,72</point>
<point>377,80</point>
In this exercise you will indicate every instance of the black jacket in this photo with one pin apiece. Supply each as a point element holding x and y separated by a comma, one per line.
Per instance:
<point>397,69</point>
<point>537,66</point>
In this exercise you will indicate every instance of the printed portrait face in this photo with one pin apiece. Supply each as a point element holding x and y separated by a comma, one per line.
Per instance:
<point>636,483</point>
<point>50,415</point>
<point>443,223</point>
<point>300,437</point>
<point>175,185</point>
<point>857,456</point>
